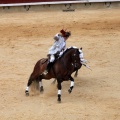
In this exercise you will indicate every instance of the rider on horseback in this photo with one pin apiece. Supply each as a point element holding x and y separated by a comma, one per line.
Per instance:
<point>58,46</point>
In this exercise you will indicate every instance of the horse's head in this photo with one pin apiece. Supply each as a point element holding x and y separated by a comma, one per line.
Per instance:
<point>72,56</point>
<point>76,58</point>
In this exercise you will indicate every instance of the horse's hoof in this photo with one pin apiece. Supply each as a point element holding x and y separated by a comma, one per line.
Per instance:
<point>59,100</point>
<point>27,93</point>
<point>41,89</point>
<point>69,90</point>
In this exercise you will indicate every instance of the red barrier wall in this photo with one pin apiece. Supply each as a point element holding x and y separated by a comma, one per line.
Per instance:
<point>28,1</point>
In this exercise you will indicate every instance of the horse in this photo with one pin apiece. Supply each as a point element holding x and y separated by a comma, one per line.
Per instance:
<point>61,70</point>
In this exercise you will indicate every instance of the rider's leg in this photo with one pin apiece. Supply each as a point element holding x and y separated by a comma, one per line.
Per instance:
<point>52,58</point>
<point>49,66</point>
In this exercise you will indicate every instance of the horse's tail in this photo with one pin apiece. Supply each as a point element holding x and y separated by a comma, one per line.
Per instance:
<point>35,85</point>
<point>38,70</point>
<point>34,88</point>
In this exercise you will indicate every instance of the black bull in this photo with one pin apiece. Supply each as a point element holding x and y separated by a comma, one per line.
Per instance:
<point>61,70</point>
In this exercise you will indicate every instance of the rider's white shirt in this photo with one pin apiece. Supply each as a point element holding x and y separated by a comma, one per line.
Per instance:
<point>58,45</point>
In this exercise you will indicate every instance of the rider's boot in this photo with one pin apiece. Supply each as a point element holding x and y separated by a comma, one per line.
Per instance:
<point>47,68</point>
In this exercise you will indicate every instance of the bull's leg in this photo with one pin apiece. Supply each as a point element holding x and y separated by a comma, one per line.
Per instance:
<point>28,85</point>
<point>71,85</point>
<point>59,91</point>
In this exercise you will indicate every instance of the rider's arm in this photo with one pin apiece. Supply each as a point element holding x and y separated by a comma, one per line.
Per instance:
<point>57,37</point>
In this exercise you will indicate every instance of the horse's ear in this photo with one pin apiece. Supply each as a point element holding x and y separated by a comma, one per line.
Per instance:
<point>81,48</point>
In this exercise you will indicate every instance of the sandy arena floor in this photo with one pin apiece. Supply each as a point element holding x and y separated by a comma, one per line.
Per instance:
<point>26,37</point>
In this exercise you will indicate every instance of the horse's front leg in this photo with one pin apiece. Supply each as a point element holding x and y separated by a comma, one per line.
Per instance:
<point>71,85</point>
<point>59,90</point>
<point>76,73</point>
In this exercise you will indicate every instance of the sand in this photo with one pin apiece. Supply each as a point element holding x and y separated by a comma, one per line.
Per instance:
<point>25,37</point>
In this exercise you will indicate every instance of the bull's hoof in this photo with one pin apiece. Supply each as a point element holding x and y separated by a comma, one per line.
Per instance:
<point>27,93</point>
<point>41,89</point>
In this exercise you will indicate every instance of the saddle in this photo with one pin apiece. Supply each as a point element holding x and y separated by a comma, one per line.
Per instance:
<point>56,56</point>
<point>44,60</point>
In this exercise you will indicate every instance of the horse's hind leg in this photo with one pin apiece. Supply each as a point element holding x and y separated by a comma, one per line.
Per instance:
<point>40,84</point>
<point>59,90</point>
<point>71,85</point>
<point>28,85</point>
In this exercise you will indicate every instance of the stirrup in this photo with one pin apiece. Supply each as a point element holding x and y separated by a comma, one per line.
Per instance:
<point>45,72</point>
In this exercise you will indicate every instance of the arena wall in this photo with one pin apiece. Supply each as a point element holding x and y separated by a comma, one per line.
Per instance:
<point>58,5</point>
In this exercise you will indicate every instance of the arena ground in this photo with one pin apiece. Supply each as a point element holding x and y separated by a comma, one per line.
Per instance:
<point>25,38</point>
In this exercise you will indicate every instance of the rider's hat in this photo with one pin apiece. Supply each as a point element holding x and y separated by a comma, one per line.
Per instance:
<point>64,33</point>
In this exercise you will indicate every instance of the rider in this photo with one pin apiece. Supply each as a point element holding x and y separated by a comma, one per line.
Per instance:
<point>58,46</point>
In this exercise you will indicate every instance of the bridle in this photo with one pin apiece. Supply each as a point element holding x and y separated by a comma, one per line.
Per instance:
<point>75,59</point>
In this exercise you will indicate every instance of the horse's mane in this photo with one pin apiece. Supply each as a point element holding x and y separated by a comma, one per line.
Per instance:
<point>67,49</point>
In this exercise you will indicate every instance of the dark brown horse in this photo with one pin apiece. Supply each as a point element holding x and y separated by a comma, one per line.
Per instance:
<point>61,69</point>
